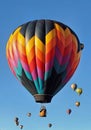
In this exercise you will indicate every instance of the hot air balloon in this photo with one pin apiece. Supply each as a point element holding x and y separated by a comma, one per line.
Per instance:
<point>77,104</point>
<point>16,121</point>
<point>43,55</point>
<point>29,114</point>
<point>69,111</point>
<point>21,126</point>
<point>74,86</point>
<point>79,91</point>
<point>49,125</point>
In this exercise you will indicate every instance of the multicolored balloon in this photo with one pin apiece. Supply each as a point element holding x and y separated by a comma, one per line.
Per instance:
<point>43,55</point>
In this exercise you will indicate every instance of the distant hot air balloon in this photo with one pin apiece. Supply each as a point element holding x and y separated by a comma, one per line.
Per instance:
<point>43,55</point>
<point>74,86</point>
<point>29,114</point>
<point>16,121</point>
<point>69,111</point>
<point>77,104</point>
<point>79,91</point>
<point>21,126</point>
<point>49,125</point>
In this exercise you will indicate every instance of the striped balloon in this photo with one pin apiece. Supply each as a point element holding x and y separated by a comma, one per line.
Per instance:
<point>43,55</point>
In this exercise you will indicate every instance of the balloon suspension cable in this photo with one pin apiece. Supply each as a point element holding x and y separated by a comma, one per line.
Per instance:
<point>42,106</point>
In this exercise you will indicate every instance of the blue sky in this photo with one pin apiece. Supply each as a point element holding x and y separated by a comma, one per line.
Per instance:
<point>15,100</point>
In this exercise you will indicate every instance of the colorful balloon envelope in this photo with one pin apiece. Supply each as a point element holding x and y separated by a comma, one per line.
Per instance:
<point>74,86</point>
<point>49,125</point>
<point>21,126</point>
<point>29,114</point>
<point>79,91</point>
<point>43,55</point>
<point>16,119</point>
<point>69,111</point>
<point>77,104</point>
